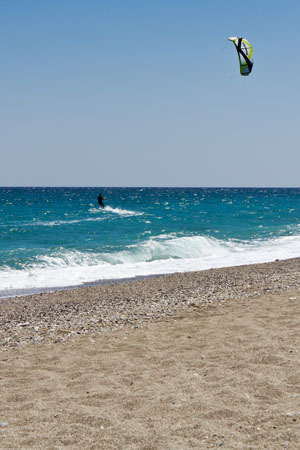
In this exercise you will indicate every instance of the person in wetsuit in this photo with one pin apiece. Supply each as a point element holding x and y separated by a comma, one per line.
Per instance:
<point>100,201</point>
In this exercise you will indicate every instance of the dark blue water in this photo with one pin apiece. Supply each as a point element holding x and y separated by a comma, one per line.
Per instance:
<point>58,237</point>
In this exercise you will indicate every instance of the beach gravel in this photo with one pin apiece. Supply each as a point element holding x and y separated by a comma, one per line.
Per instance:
<point>63,315</point>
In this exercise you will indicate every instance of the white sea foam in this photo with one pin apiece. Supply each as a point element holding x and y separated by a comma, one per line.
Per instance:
<point>161,255</point>
<point>119,211</point>
<point>122,212</point>
<point>107,209</point>
<point>56,223</point>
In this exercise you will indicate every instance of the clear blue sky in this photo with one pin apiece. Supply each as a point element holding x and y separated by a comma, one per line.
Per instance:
<point>148,93</point>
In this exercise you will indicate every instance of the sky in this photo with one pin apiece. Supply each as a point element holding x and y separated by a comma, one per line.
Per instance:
<point>148,93</point>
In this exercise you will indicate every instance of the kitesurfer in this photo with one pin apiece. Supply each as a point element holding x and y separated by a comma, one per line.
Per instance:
<point>100,201</point>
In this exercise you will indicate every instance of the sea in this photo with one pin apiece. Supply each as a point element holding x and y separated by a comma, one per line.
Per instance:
<point>56,238</point>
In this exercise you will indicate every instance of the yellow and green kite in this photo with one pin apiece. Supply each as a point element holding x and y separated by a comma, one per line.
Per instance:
<point>245,52</point>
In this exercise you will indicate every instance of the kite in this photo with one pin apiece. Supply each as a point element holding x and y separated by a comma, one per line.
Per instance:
<point>245,52</point>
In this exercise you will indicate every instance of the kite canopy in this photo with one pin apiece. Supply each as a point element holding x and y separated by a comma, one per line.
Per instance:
<point>245,52</point>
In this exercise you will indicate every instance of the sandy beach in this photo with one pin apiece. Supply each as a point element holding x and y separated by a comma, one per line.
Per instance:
<point>196,360</point>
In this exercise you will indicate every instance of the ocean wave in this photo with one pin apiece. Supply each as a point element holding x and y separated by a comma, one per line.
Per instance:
<point>160,255</point>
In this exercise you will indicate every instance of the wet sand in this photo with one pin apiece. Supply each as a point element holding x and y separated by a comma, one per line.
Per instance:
<point>199,360</point>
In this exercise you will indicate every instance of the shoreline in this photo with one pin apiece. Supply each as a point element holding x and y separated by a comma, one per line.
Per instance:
<point>38,291</point>
<point>63,315</point>
<point>17,293</point>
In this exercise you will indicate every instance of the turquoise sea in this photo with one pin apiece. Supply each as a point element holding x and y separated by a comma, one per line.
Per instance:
<point>59,237</point>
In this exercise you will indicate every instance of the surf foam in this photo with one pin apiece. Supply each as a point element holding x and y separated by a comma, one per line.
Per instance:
<point>119,211</point>
<point>160,255</point>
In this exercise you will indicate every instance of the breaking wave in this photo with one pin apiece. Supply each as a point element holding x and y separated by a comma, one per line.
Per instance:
<point>161,255</point>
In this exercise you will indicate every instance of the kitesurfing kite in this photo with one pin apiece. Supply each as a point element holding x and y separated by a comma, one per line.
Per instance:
<point>245,52</point>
